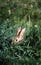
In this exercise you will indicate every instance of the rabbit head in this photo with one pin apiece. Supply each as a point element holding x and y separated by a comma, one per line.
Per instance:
<point>19,35</point>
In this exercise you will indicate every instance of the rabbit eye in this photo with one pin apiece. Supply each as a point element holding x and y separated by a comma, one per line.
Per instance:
<point>16,39</point>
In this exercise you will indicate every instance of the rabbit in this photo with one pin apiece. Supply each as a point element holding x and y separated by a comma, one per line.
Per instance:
<point>19,35</point>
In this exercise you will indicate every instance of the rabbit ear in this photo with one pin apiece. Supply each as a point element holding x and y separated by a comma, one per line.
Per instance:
<point>22,32</point>
<point>18,31</point>
<point>21,36</point>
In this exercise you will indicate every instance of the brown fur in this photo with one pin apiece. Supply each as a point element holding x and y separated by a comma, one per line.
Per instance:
<point>19,35</point>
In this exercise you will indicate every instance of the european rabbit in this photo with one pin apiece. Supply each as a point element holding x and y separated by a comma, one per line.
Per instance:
<point>19,35</point>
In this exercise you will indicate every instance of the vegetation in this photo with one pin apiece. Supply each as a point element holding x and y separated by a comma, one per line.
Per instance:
<point>13,14</point>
